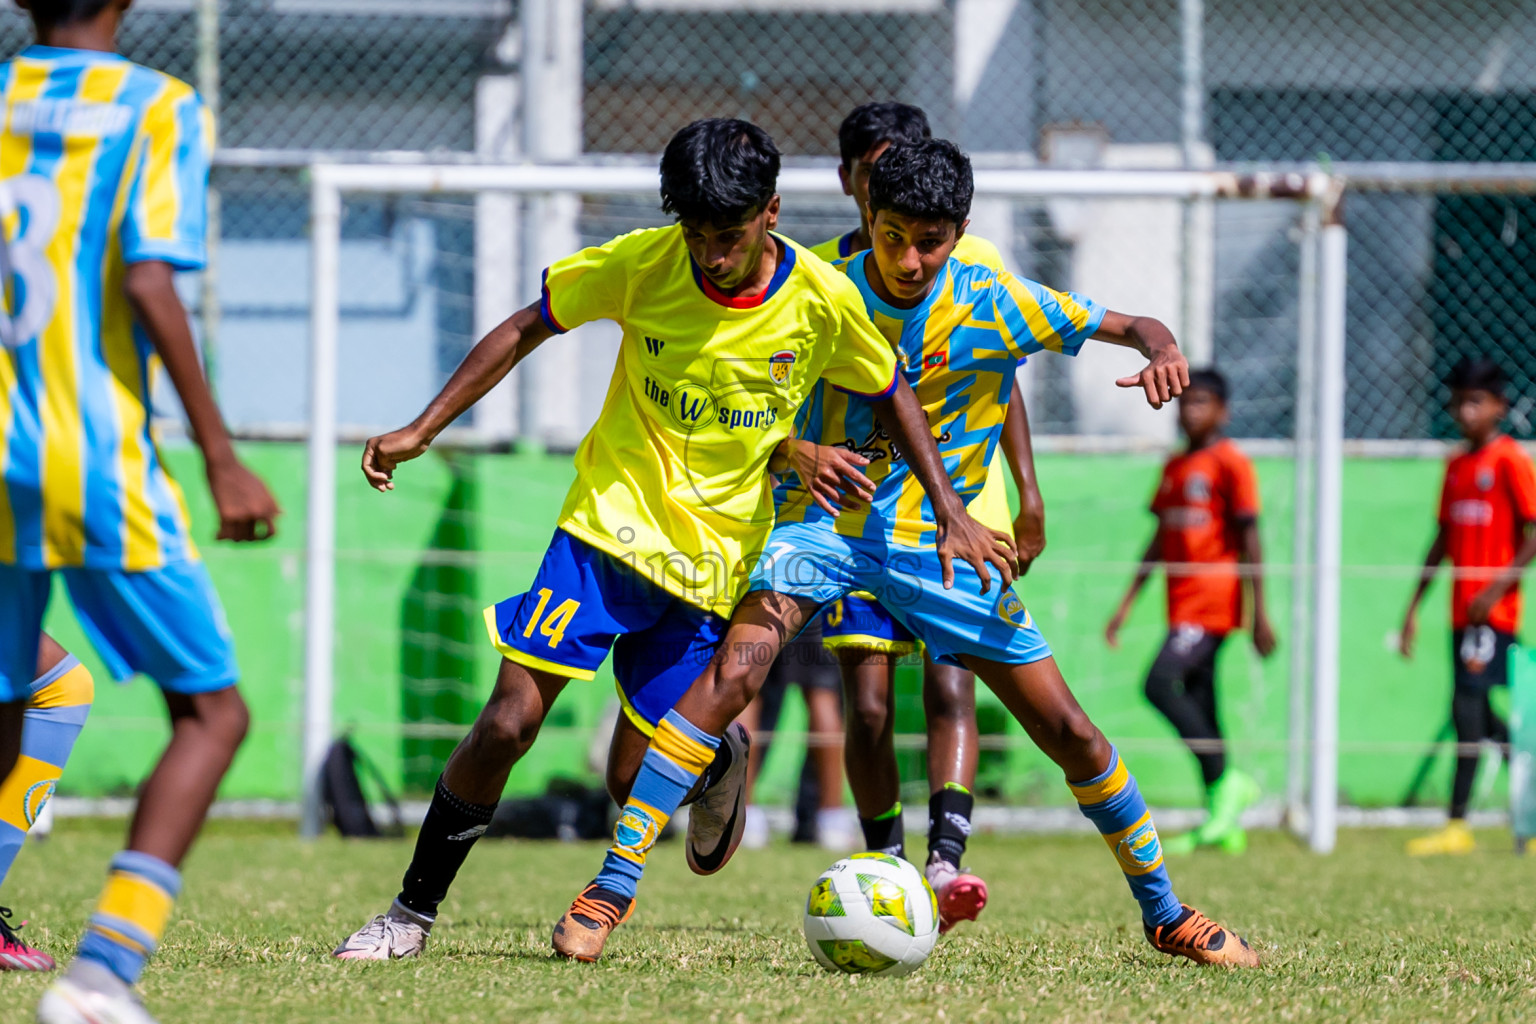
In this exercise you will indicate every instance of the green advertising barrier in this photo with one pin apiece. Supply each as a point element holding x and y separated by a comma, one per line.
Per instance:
<point>461,531</point>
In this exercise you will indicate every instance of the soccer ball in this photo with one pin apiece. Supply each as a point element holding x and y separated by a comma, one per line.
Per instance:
<point>871,914</point>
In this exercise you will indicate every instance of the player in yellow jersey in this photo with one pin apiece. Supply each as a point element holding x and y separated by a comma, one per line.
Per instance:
<point>868,640</point>
<point>959,330</point>
<point>103,196</point>
<point>727,327</point>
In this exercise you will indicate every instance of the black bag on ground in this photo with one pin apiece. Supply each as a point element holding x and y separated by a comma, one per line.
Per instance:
<point>341,791</point>
<point>567,811</point>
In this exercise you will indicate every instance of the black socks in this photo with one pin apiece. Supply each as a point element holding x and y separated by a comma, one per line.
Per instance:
<point>885,834</point>
<point>450,829</point>
<point>949,822</point>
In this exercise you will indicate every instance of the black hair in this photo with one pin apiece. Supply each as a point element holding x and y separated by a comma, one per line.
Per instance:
<point>930,180</point>
<point>1478,374</point>
<point>1208,379</point>
<point>873,123</point>
<point>65,12</point>
<point>718,171</point>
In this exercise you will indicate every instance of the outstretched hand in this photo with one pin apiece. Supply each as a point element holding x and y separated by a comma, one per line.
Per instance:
<point>383,453</point>
<point>1164,378</point>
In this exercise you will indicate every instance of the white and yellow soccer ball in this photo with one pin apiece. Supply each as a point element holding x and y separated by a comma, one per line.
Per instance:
<point>871,914</point>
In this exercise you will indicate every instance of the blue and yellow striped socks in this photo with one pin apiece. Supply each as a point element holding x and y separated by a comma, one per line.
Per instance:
<point>679,754</point>
<point>1113,803</point>
<point>59,702</point>
<point>131,916</point>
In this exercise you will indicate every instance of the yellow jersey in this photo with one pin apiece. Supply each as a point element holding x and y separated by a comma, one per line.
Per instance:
<point>991,506</point>
<point>673,478</point>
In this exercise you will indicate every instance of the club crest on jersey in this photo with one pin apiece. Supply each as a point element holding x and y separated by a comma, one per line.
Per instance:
<point>1011,610</point>
<point>1485,479</point>
<point>1197,488</point>
<point>779,364</point>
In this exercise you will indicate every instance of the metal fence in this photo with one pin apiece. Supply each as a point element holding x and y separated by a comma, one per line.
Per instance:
<point>1433,277</point>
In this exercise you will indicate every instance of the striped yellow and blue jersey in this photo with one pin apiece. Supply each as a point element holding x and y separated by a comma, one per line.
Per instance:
<point>958,349</point>
<point>103,163</point>
<point>673,477</point>
<point>991,507</point>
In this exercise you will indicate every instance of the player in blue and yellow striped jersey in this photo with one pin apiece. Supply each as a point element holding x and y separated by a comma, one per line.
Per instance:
<point>867,639</point>
<point>958,331</point>
<point>103,192</point>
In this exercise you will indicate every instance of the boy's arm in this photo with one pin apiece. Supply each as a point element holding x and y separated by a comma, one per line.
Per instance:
<point>488,362</point>
<point>1481,606</point>
<point>1252,554</point>
<point>1432,560</point>
<point>1167,371</point>
<point>247,510</point>
<point>833,476</point>
<point>1029,527</point>
<point>959,535</point>
<point>1149,560</point>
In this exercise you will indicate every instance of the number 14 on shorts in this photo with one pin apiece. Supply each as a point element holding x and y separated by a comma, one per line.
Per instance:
<point>552,625</point>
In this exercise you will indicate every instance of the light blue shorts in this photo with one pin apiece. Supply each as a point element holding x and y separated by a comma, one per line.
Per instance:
<point>813,562</point>
<point>166,623</point>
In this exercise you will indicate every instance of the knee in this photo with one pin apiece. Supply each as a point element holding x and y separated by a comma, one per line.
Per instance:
<point>868,714</point>
<point>505,726</point>
<point>1076,736</point>
<point>735,681</point>
<point>225,716</point>
<point>1158,688</point>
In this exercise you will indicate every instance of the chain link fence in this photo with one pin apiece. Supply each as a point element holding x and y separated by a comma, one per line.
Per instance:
<point>1433,278</point>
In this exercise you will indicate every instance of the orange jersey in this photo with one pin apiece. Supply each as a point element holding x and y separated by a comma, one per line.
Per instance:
<point>1487,502</point>
<point>1203,499</point>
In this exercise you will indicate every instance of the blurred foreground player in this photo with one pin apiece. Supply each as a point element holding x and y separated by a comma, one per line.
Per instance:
<point>105,172</point>
<point>1488,531</point>
<point>1207,508</point>
<point>960,330</point>
<point>868,640</point>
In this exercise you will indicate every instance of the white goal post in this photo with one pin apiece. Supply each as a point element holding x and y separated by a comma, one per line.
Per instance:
<point>1312,749</point>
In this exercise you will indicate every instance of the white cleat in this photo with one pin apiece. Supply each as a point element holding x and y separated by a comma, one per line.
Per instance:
<point>390,936</point>
<point>718,816</point>
<point>68,1003</point>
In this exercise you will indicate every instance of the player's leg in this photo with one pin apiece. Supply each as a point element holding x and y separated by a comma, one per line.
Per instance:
<point>34,752</point>
<point>820,681</point>
<point>167,624</point>
<point>868,643</point>
<point>994,636</point>
<point>682,750</point>
<point>1234,790</point>
<point>949,707</point>
<point>869,751</point>
<point>1168,689</point>
<point>1480,660</point>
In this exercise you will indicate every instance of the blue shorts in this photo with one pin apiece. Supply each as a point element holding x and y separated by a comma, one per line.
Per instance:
<point>859,622</point>
<point>584,602</point>
<point>813,562</point>
<point>166,623</point>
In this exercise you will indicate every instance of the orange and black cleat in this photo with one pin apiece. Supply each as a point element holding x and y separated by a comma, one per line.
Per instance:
<point>1202,940</point>
<point>582,932</point>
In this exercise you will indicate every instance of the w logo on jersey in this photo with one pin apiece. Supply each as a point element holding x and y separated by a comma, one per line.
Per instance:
<point>779,364</point>
<point>654,345</point>
<point>693,405</point>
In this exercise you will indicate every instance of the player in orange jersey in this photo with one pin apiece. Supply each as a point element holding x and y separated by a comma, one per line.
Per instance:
<point>1207,508</point>
<point>1487,510</point>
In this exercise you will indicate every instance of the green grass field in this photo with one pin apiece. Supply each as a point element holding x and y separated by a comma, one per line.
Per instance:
<point>1366,934</point>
